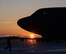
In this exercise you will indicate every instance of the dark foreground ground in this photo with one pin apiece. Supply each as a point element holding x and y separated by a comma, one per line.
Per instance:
<point>22,47</point>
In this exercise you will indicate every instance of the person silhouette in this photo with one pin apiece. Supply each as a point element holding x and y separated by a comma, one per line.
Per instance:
<point>9,43</point>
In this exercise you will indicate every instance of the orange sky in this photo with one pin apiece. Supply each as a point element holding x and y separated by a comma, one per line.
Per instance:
<point>10,28</point>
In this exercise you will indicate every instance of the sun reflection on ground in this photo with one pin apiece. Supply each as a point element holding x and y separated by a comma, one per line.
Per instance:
<point>31,41</point>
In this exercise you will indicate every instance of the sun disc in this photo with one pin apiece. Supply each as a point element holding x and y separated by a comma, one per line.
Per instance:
<point>32,36</point>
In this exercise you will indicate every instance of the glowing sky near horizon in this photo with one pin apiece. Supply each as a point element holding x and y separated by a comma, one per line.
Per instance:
<point>12,10</point>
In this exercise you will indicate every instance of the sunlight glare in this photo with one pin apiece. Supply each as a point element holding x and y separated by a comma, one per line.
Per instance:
<point>32,36</point>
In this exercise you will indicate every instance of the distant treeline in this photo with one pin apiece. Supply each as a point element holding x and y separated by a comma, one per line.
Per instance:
<point>37,39</point>
<point>19,38</point>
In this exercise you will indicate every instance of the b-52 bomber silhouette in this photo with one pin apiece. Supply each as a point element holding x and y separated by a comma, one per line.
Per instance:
<point>50,23</point>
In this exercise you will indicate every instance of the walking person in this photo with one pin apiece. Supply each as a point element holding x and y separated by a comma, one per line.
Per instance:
<point>9,43</point>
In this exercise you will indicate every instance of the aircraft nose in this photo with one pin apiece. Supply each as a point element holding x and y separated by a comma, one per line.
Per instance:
<point>26,23</point>
<point>29,24</point>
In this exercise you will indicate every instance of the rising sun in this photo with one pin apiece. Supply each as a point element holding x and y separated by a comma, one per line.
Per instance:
<point>32,36</point>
